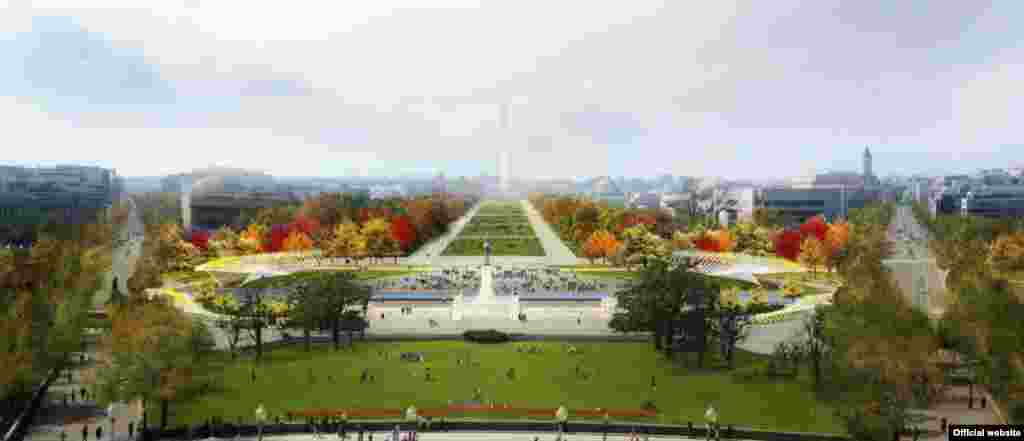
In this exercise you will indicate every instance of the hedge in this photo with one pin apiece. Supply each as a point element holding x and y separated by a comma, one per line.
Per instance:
<point>486,336</point>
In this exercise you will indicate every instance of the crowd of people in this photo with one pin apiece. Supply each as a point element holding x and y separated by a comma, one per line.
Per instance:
<point>545,281</point>
<point>464,278</point>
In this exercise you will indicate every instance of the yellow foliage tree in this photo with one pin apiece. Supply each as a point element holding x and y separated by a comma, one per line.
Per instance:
<point>1006,253</point>
<point>377,232</point>
<point>681,241</point>
<point>812,253</point>
<point>251,240</point>
<point>347,241</point>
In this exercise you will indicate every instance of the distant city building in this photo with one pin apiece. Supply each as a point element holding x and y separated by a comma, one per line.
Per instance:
<point>644,201</point>
<point>215,196</point>
<point>65,193</point>
<point>387,191</point>
<point>984,200</point>
<point>830,194</point>
<point>604,189</point>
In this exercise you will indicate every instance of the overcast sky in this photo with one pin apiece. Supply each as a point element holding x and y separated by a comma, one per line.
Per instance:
<point>738,88</point>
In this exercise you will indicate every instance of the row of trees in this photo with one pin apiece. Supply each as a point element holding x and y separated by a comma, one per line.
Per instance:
<point>686,311</point>
<point>321,300</point>
<point>46,295</point>
<point>600,232</point>
<point>312,224</point>
<point>984,260</point>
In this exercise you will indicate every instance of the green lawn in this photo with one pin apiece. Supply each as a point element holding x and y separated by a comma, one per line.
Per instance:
<point>621,378</point>
<point>293,278</point>
<point>499,247</point>
<point>496,229</point>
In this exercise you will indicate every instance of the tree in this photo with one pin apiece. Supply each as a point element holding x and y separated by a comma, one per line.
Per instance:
<point>224,241</point>
<point>274,240</point>
<point>199,239</point>
<point>768,218</point>
<point>592,248</point>
<point>814,226</point>
<point>787,244</point>
<point>655,301</point>
<point>1007,253</point>
<point>337,293</point>
<point>681,241</point>
<point>306,308</point>
<point>297,241</point>
<point>733,323</point>
<point>377,232</point>
<point>251,240</point>
<point>835,243</point>
<point>153,352</point>
<point>348,241</point>
<point>402,231</point>
<point>46,293</point>
<point>813,253</point>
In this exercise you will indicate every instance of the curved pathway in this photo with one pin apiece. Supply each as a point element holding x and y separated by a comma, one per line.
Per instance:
<point>557,252</point>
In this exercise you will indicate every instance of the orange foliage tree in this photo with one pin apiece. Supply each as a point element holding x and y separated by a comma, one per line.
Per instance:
<point>297,241</point>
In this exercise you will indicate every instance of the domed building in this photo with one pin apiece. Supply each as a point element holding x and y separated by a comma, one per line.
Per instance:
<point>218,197</point>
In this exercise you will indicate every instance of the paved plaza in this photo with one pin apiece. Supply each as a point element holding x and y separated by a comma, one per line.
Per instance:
<point>470,436</point>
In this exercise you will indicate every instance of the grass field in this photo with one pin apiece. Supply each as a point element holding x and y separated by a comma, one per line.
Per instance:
<point>527,246</point>
<point>620,378</point>
<point>505,229</point>
<point>293,278</point>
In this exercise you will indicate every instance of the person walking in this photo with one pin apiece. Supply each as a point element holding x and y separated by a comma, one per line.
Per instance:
<point>344,424</point>
<point>360,428</point>
<point>131,429</point>
<point>395,433</point>
<point>99,432</point>
<point>85,432</point>
<point>63,435</point>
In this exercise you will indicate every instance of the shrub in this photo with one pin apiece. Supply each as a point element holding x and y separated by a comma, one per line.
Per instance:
<point>1017,412</point>
<point>486,336</point>
<point>752,372</point>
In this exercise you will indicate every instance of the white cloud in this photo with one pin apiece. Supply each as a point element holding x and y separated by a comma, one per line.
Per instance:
<point>35,136</point>
<point>755,88</point>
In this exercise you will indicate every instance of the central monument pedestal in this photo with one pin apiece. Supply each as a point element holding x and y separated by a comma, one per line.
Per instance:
<point>486,304</point>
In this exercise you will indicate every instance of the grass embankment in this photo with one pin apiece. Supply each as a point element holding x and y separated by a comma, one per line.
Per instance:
<point>620,378</point>
<point>295,278</point>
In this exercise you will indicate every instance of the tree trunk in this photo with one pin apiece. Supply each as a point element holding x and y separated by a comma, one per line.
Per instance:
<point>336,332</point>
<point>669,331</point>
<point>145,416</point>
<point>307,337</point>
<point>164,407</point>
<point>259,340</point>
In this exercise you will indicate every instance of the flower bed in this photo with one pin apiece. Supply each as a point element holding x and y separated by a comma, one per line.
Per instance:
<point>463,410</point>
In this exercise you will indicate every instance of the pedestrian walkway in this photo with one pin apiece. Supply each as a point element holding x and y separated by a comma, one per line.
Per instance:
<point>473,436</point>
<point>954,408</point>
<point>556,250</point>
<point>430,253</point>
<point>55,417</point>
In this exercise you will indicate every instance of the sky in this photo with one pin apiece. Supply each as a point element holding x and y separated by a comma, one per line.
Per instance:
<point>732,88</point>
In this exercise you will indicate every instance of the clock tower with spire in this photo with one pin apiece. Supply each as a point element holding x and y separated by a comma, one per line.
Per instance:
<point>869,175</point>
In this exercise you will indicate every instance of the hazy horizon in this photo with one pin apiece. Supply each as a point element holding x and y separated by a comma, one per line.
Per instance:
<point>738,89</point>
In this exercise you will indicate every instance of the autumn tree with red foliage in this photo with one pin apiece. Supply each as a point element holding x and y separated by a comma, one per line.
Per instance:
<point>787,244</point>
<point>816,227</point>
<point>403,232</point>
<point>200,239</point>
<point>631,219</point>
<point>306,225</point>
<point>274,242</point>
